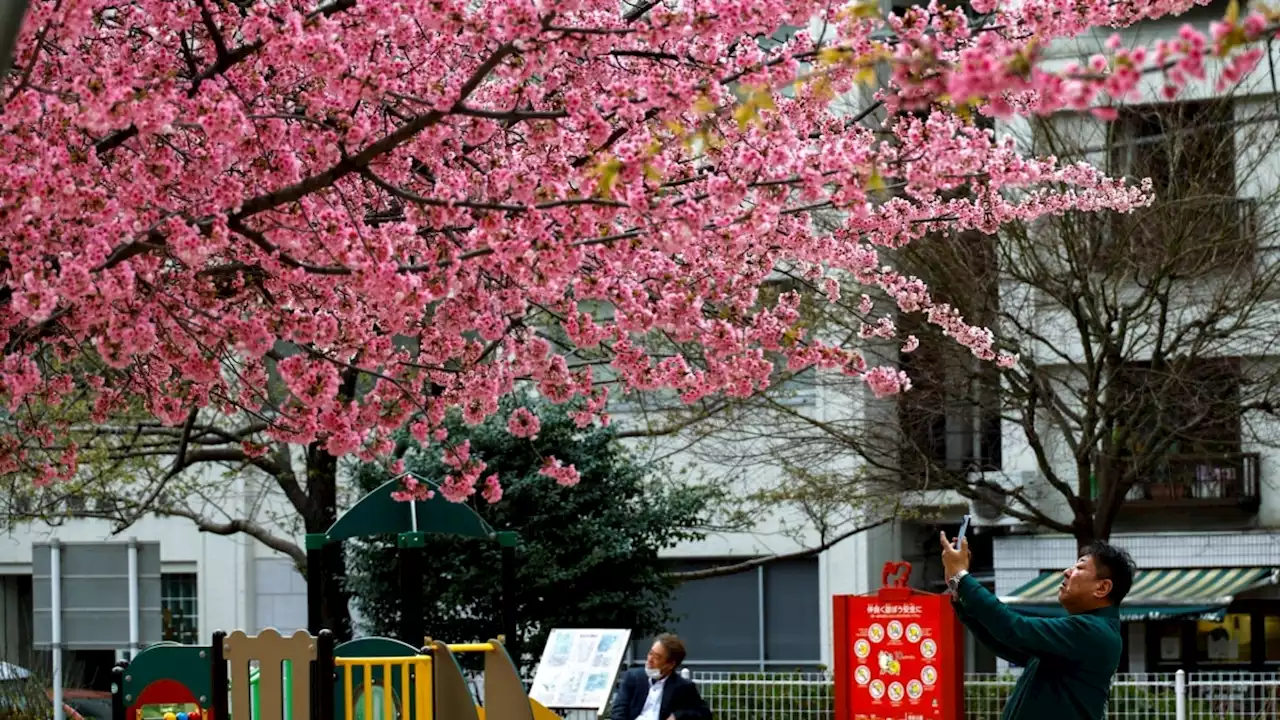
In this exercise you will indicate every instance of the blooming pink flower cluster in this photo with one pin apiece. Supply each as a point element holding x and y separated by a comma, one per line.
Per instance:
<point>236,206</point>
<point>561,473</point>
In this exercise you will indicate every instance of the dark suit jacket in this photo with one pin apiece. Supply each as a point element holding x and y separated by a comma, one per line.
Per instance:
<point>679,697</point>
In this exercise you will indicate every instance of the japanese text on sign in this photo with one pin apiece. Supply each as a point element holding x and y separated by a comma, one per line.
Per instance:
<point>907,609</point>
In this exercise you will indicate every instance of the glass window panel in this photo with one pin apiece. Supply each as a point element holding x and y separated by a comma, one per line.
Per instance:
<point>178,606</point>
<point>1224,643</point>
<point>792,628</point>
<point>1271,630</point>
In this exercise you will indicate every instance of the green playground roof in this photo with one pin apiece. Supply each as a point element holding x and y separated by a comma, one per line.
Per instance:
<point>379,514</point>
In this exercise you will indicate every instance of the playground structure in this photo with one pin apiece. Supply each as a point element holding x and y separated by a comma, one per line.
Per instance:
<point>305,677</point>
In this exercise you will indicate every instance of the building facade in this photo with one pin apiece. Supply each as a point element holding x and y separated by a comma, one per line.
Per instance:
<point>208,582</point>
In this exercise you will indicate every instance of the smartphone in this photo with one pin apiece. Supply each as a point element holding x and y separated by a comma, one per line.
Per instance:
<point>964,528</point>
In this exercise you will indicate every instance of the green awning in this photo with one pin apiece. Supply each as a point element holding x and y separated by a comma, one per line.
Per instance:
<point>1187,593</point>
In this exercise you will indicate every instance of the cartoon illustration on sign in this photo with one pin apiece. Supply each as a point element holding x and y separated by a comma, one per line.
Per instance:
<point>895,691</point>
<point>915,689</point>
<point>929,675</point>
<point>895,630</point>
<point>862,649</point>
<point>914,633</point>
<point>876,632</point>
<point>877,689</point>
<point>862,675</point>
<point>889,664</point>
<point>928,649</point>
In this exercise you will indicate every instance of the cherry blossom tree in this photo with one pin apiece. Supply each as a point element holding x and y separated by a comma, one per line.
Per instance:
<point>329,221</point>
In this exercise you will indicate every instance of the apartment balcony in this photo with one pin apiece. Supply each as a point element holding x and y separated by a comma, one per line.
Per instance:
<point>1223,480</point>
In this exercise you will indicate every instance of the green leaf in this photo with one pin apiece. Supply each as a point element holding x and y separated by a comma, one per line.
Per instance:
<point>607,171</point>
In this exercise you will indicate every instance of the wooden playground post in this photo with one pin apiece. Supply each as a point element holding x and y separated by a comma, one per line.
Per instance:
<point>271,650</point>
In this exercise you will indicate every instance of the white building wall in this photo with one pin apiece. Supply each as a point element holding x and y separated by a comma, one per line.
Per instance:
<point>219,561</point>
<point>280,594</point>
<point>240,582</point>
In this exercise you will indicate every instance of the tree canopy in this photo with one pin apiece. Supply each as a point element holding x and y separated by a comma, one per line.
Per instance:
<point>380,204</point>
<point>1145,380</point>
<point>588,555</point>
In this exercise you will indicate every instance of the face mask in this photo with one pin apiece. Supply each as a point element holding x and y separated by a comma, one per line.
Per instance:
<point>652,673</point>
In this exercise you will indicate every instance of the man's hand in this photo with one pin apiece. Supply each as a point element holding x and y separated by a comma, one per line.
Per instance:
<point>954,559</point>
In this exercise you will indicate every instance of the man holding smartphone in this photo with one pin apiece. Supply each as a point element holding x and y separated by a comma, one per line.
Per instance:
<point>1068,662</point>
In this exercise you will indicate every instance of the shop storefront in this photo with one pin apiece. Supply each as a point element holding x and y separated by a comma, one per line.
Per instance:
<point>1196,619</point>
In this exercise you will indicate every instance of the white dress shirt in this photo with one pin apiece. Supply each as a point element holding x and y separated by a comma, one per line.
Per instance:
<point>653,703</point>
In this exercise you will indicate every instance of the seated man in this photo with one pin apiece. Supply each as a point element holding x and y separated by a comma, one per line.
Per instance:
<point>1068,661</point>
<point>657,692</point>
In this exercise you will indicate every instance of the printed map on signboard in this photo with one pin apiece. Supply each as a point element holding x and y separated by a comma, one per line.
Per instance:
<point>578,668</point>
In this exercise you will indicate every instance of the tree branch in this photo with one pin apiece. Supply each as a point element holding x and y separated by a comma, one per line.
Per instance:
<point>240,525</point>
<point>754,563</point>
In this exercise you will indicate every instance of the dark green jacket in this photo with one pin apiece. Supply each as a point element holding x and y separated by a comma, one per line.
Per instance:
<point>1068,662</point>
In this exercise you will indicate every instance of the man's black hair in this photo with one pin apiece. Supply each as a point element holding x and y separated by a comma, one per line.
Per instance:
<point>1113,563</point>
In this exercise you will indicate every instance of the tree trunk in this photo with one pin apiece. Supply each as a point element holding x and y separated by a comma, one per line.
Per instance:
<point>322,494</point>
<point>1085,537</point>
<point>322,513</point>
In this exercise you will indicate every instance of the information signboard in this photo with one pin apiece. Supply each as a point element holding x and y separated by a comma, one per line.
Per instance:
<point>578,668</point>
<point>899,654</point>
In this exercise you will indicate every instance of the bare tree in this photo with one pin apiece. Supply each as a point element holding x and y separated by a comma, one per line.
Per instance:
<point>1146,343</point>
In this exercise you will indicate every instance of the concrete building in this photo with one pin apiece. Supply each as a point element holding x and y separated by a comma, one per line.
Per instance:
<point>1202,523</point>
<point>208,582</point>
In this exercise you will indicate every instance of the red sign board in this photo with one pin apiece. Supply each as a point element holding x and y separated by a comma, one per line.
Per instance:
<point>899,654</point>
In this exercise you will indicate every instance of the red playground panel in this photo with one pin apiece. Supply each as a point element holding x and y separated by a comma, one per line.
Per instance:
<point>899,653</point>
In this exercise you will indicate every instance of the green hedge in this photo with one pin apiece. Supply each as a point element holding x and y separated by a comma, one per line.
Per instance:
<point>777,697</point>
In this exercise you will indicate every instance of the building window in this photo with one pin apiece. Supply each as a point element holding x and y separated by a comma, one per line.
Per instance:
<point>178,605</point>
<point>1247,637</point>
<point>1197,223</point>
<point>1191,407</point>
<point>1182,432</point>
<point>766,618</point>
<point>1184,148</point>
<point>1271,638</point>
<point>1225,643</point>
<point>951,418</point>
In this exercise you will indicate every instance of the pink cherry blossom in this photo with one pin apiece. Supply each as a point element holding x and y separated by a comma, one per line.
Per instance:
<point>523,423</point>
<point>492,489</point>
<point>412,489</point>
<point>236,207</point>
<point>566,475</point>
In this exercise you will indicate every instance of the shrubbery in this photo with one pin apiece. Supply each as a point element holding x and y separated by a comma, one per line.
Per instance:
<point>779,696</point>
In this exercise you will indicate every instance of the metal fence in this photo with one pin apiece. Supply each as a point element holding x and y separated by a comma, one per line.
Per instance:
<point>1134,696</point>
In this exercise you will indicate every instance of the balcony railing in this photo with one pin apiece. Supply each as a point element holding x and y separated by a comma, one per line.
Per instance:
<point>1219,480</point>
